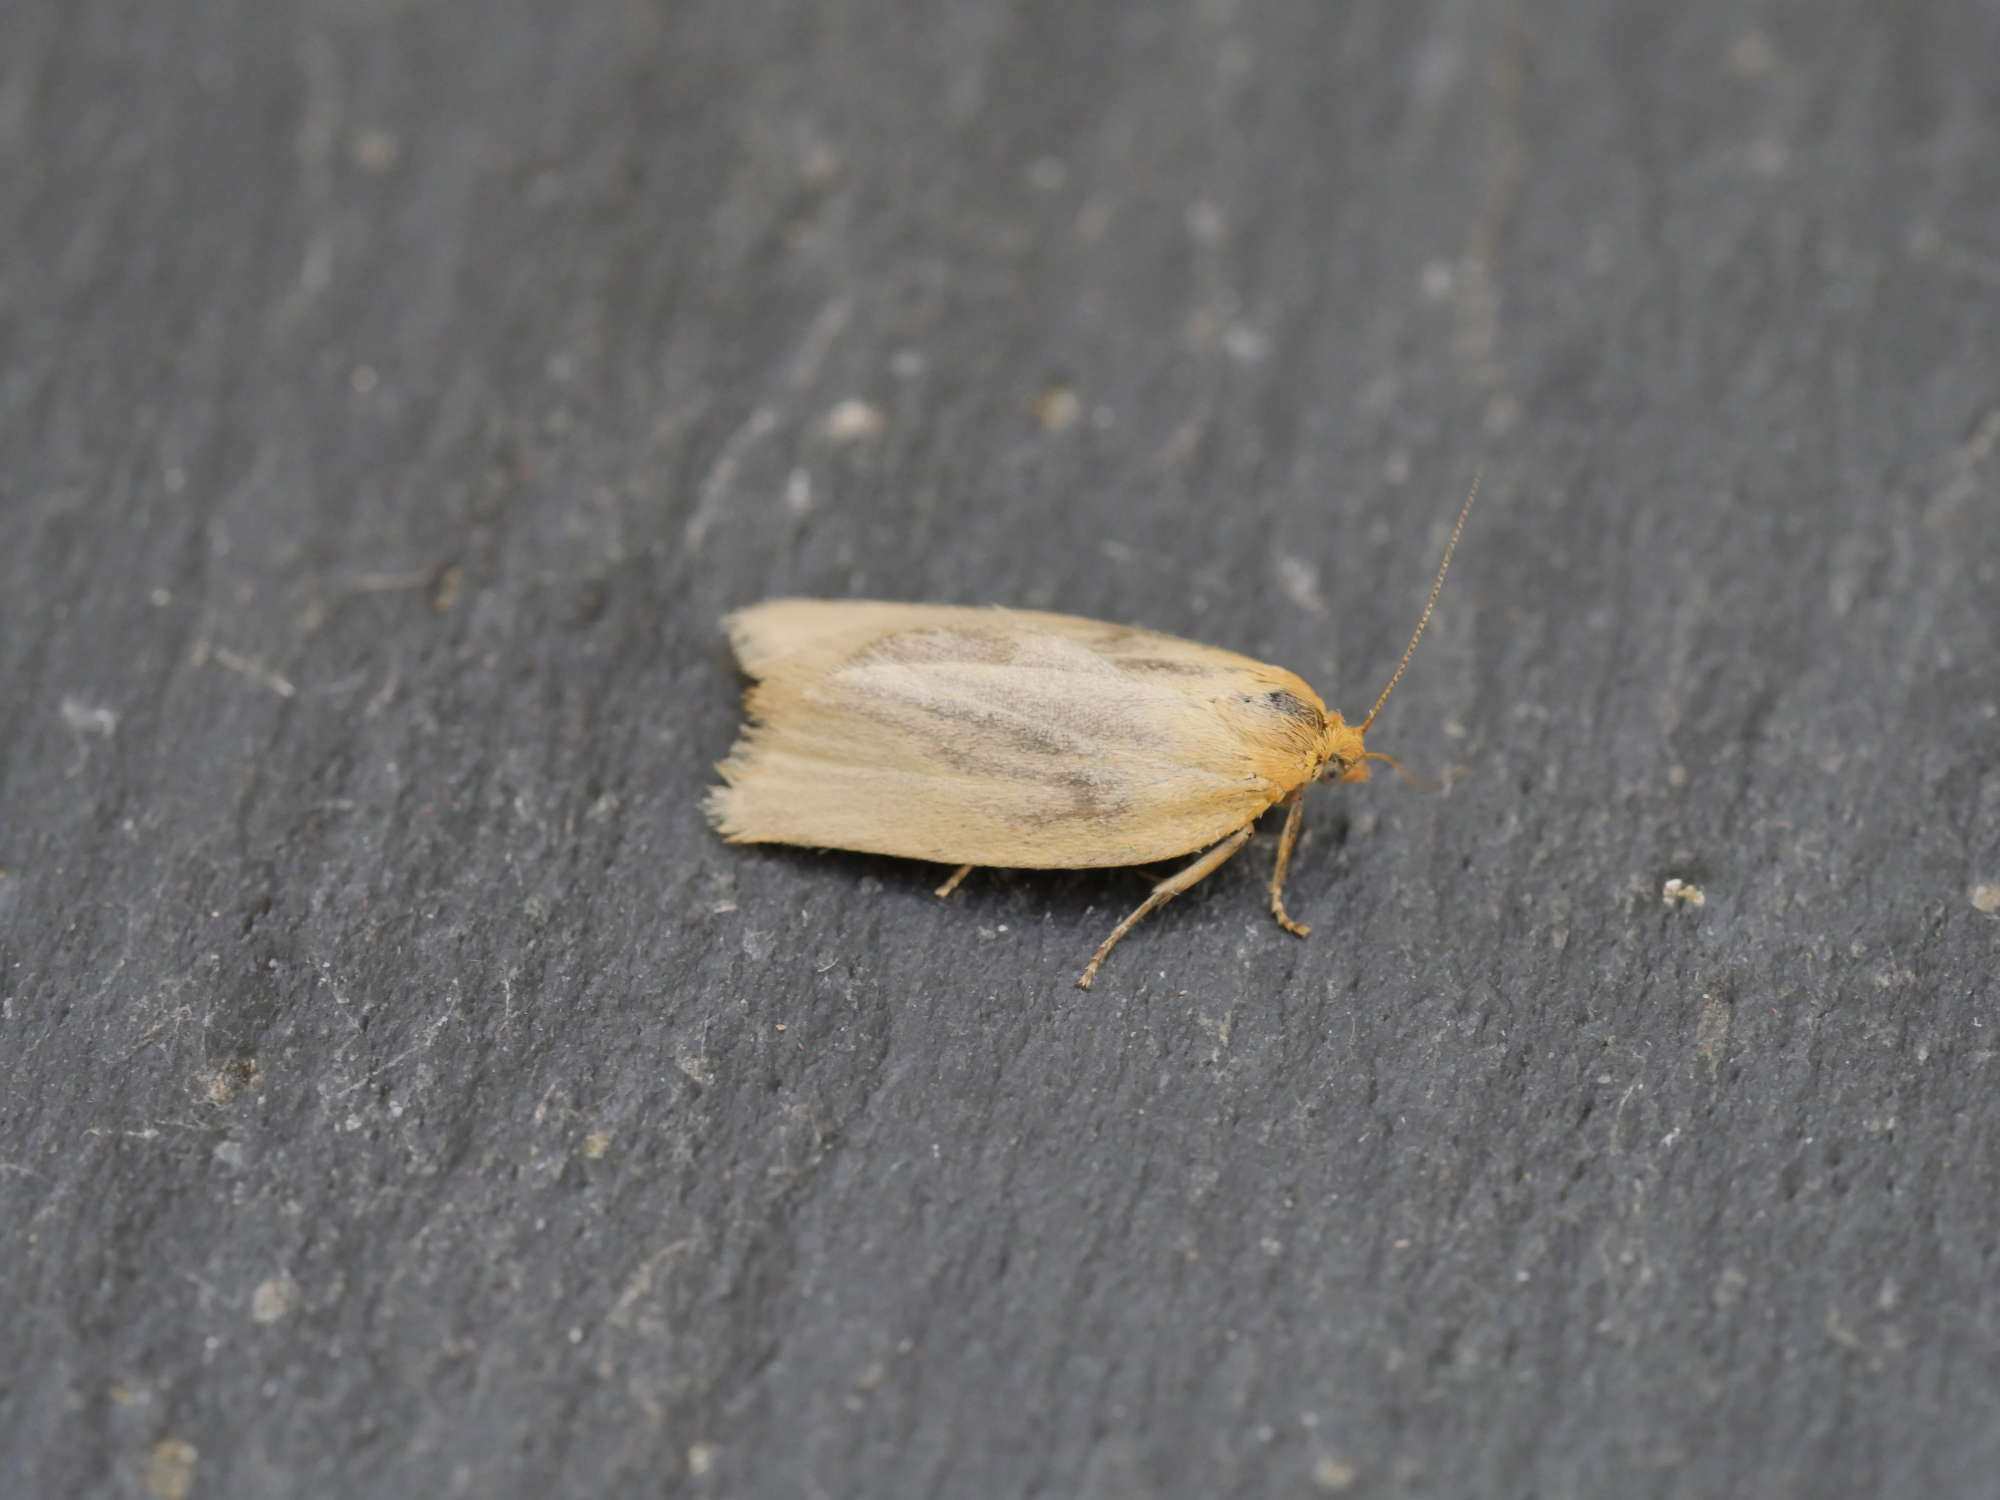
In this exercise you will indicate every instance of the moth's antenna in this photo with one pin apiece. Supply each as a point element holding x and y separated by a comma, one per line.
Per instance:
<point>1429,605</point>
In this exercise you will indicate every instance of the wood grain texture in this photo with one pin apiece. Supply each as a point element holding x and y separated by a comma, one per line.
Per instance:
<point>402,1091</point>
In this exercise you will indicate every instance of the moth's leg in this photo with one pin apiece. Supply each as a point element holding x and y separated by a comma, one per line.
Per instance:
<point>1296,802</point>
<point>952,880</point>
<point>1164,892</point>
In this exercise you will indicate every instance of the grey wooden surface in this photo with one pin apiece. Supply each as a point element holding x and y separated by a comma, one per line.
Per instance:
<point>403,1093</point>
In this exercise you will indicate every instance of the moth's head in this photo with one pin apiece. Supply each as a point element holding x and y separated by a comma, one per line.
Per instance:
<point>1345,755</point>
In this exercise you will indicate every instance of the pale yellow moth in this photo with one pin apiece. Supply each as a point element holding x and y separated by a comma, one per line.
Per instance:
<point>1014,738</point>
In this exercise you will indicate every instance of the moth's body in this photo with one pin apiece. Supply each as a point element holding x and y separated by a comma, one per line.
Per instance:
<point>1015,738</point>
<point>1007,738</point>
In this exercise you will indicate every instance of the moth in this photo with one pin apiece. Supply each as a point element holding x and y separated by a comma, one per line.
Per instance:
<point>1018,739</point>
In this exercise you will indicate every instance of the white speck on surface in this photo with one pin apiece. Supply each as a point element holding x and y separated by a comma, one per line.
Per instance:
<point>759,943</point>
<point>1300,581</point>
<point>1245,344</point>
<point>851,421</point>
<point>272,1300</point>
<point>1334,1474</point>
<point>1986,898</point>
<point>1678,892</point>
<point>701,1458</point>
<point>376,150</point>
<point>87,718</point>
<point>1751,55</point>
<point>798,492</point>
<point>1047,174</point>
<point>1057,408</point>
<point>1205,223</point>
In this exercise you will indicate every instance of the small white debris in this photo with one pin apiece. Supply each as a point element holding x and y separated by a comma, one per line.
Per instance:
<point>851,421</point>
<point>1678,892</point>
<point>87,718</point>
<point>272,1300</point>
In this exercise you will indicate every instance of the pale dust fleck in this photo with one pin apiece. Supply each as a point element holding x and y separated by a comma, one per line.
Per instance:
<point>695,1067</point>
<point>1751,55</point>
<point>228,1083</point>
<point>1335,1474</point>
<point>170,1469</point>
<point>1986,898</point>
<point>759,943</point>
<point>1117,551</point>
<point>1205,223</point>
<point>376,151</point>
<point>1677,775</point>
<point>272,1299</point>
<point>362,379</point>
<point>597,1143</point>
<point>1245,344</point>
<point>851,421</point>
<point>1396,468</point>
<point>1300,581</point>
<point>1729,1287</point>
<point>1768,158</point>
<point>702,1457</point>
<point>86,718</point>
<point>1678,892</point>
<point>1439,279</point>
<point>1453,730</point>
<point>1048,174</point>
<point>798,492</point>
<point>820,164</point>
<point>1057,408</point>
<point>907,364</point>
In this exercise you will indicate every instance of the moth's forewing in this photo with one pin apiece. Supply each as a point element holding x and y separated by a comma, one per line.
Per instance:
<point>1001,737</point>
